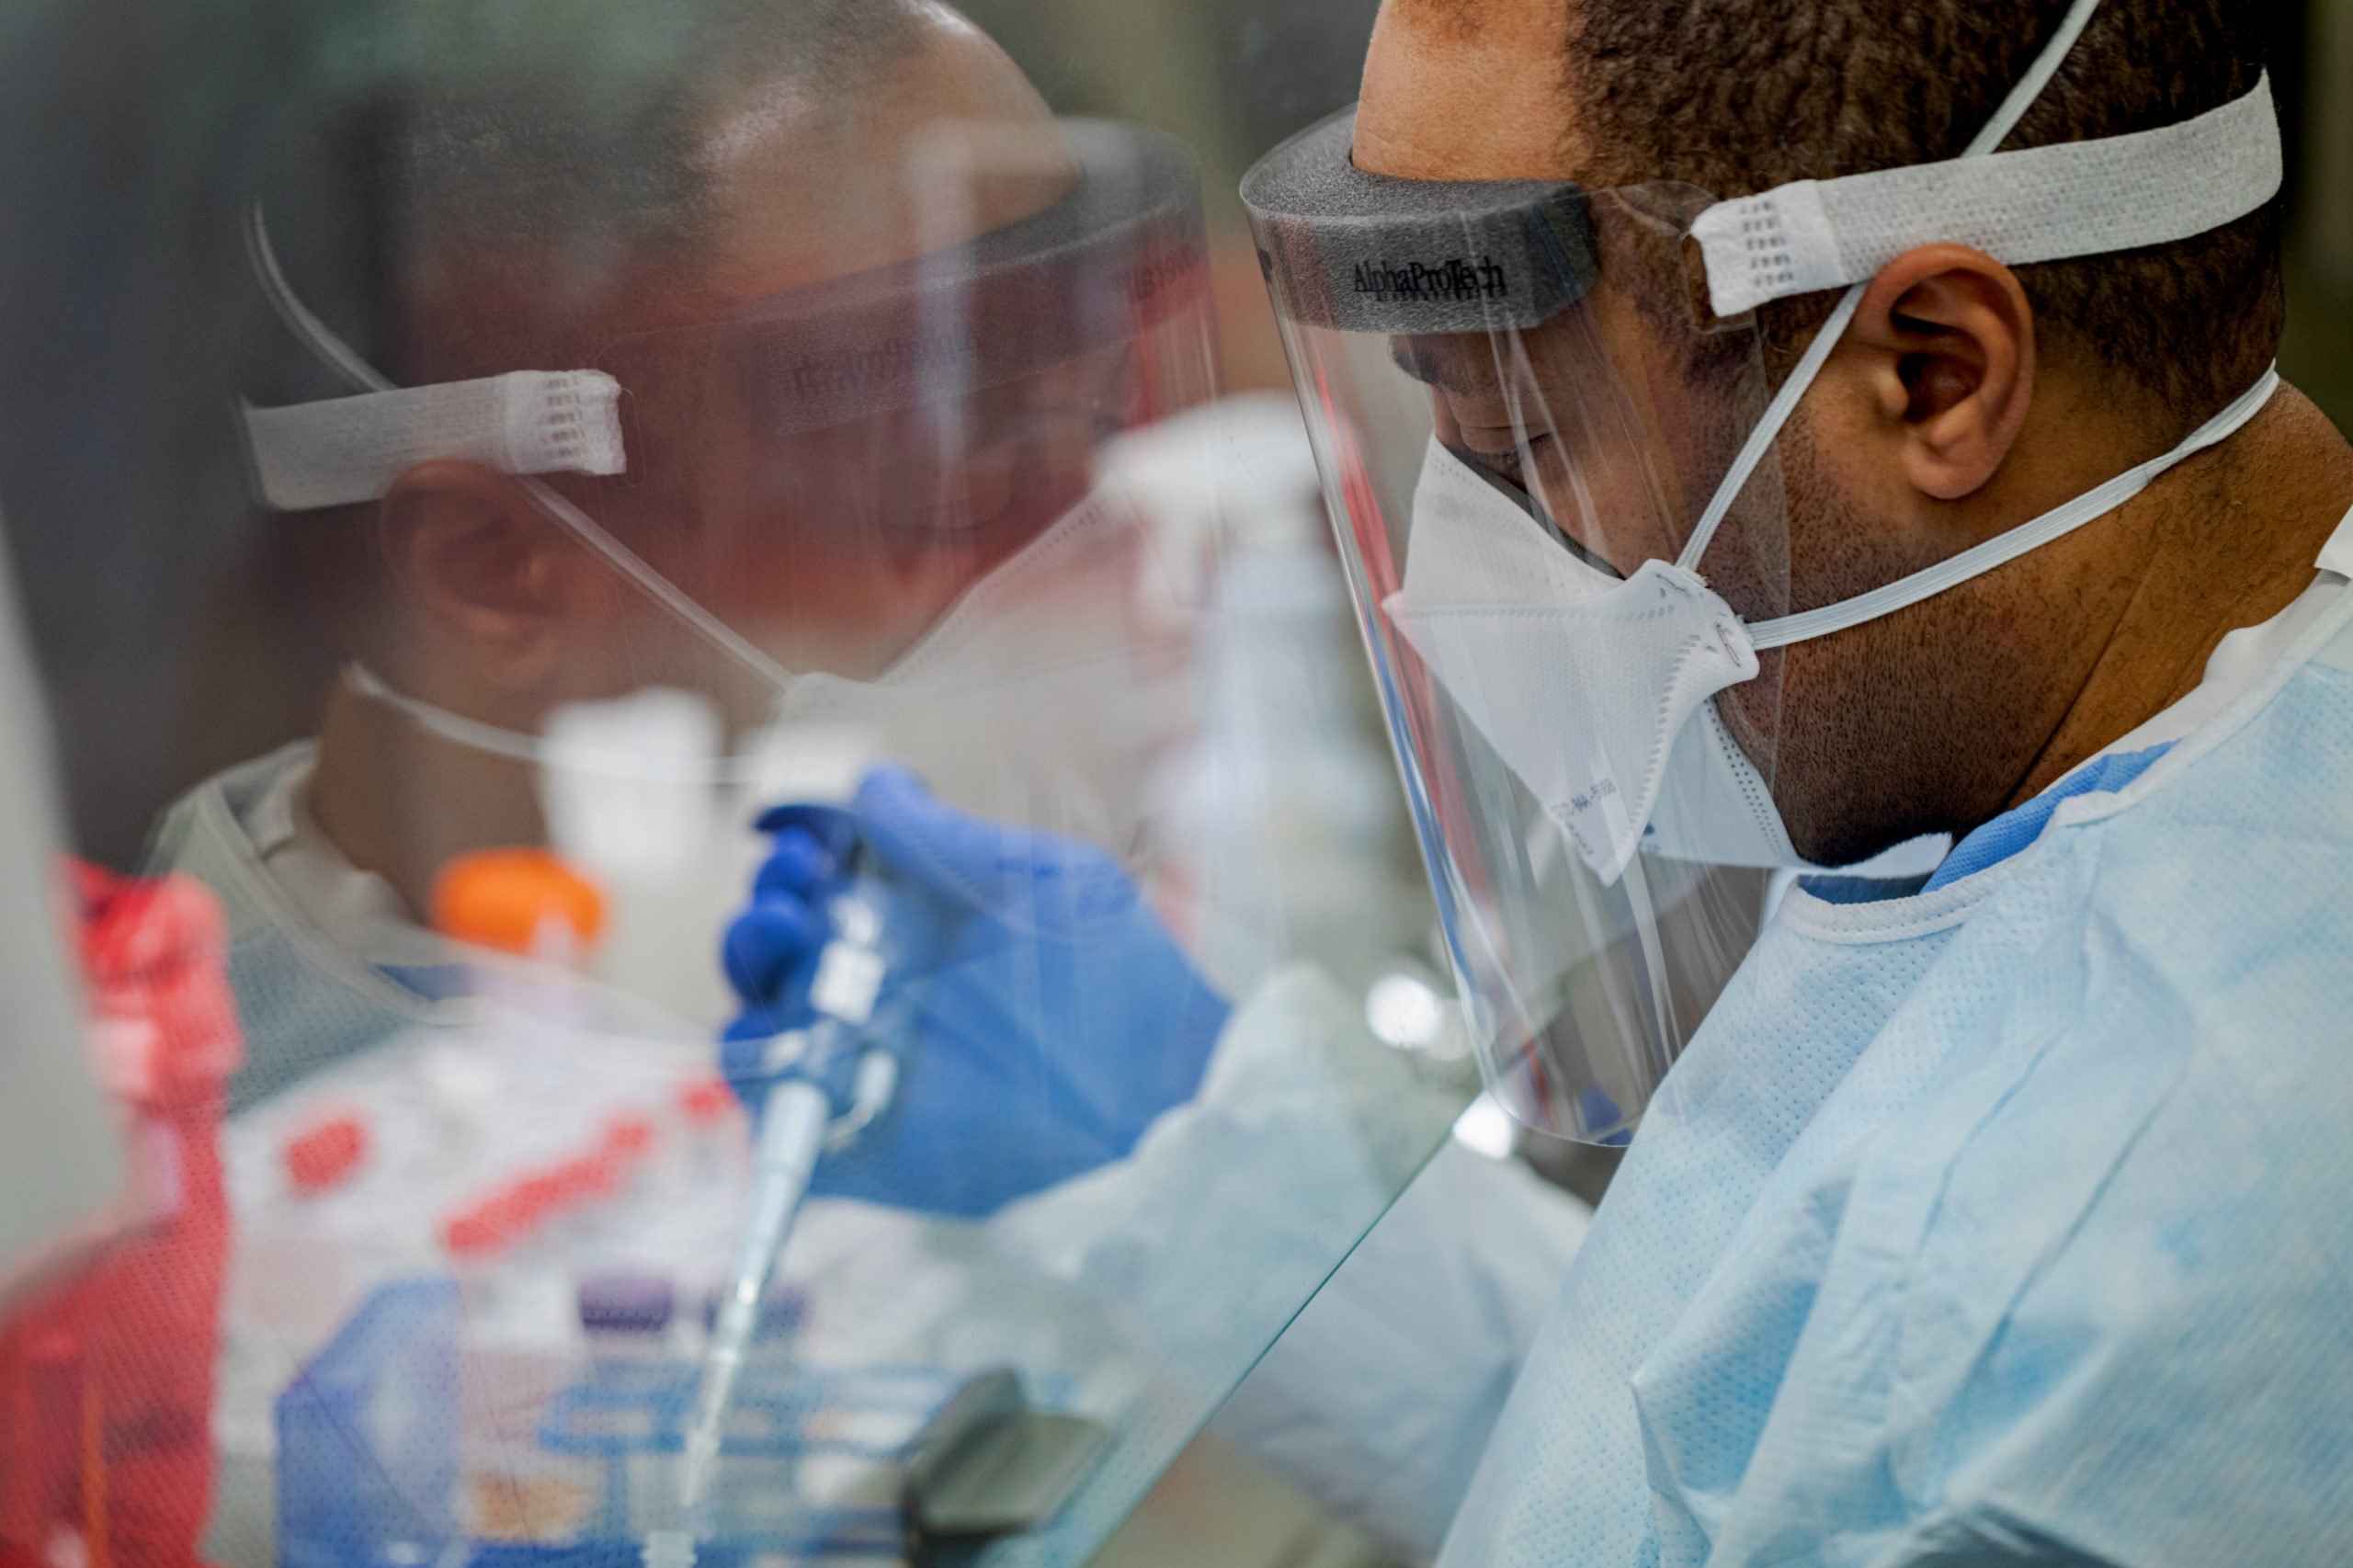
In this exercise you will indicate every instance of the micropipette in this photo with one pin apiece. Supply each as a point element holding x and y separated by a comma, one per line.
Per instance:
<point>846,1057</point>
<point>792,1134</point>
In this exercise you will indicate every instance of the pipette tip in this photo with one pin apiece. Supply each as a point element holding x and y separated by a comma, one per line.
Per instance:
<point>702,1448</point>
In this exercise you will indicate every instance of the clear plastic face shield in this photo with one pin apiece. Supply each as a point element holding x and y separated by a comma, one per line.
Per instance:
<point>1519,402</point>
<point>1552,456</point>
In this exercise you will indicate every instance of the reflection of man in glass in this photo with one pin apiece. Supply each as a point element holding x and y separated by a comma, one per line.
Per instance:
<point>627,199</point>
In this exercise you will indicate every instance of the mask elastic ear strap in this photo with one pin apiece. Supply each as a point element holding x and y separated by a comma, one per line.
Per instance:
<point>2009,545</point>
<point>1776,413</point>
<point>339,356</point>
<point>538,750</point>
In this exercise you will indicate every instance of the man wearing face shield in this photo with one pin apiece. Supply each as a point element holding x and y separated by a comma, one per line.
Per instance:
<point>1769,437</point>
<point>796,399</point>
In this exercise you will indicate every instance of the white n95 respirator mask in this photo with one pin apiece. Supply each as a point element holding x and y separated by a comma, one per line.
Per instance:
<point>1516,627</point>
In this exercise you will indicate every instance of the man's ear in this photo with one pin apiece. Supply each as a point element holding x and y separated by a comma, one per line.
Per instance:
<point>480,567</point>
<point>1951,340</point>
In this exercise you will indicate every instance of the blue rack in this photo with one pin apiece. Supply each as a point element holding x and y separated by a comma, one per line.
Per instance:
<point>370,1449</point>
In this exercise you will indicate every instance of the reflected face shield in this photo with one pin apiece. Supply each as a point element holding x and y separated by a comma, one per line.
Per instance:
<point>869,519</point>
<point>1549,448</point>
<point>810,485</point>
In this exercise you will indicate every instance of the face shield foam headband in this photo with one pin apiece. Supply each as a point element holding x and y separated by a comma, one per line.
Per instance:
<point>1506,258</point>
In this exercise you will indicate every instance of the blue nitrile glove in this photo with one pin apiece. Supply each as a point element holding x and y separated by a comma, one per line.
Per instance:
<point>1057,1020</point>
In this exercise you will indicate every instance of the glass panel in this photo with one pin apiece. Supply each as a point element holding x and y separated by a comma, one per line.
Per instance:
<point>873,462</point>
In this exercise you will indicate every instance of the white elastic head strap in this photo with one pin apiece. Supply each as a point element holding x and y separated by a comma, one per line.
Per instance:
<point>2037,204</point>
<point>533,422</point>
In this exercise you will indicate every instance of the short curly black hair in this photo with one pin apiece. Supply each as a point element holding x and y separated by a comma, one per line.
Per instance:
<point>1740,96</point>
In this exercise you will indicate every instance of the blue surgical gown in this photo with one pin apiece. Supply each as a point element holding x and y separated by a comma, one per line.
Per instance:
<point>2008,1223</point>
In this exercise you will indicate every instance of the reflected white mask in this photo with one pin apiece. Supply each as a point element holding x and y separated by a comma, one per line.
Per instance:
<point>1048,694</point>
